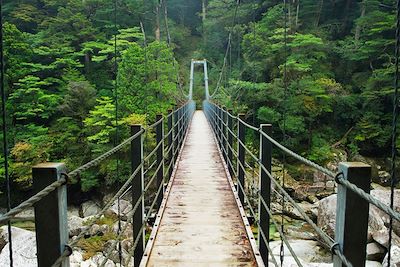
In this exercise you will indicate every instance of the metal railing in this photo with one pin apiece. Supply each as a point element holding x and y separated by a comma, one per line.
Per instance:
<point>50,182</point>
<point>353,180</point>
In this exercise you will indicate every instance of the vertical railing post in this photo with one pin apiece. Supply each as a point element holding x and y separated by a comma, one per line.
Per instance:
<point>352,214</point>
<point>178,129</point>
<point>230,142</point>
<point>212,115</point>
<point>182,126</point>
<point>137,191</point>
<point>160,155</point>
<point>241,156</point>
<point>170,142</point>
<point>186,120</point>
<point>51,221</point>
<point>176,135</point>
<point>265,190</point>
<point>220,126</point>
<point>224,134</point>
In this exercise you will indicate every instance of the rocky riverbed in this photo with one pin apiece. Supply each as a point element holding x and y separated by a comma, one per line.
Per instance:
<point>316,197</point>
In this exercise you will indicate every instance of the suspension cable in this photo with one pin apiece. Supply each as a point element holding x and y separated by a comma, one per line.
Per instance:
<point>169,42</point>
<point>394,127</point>
<point>285,6</point>
<point>116,122</point>
<point>4,128</point>
<point>227,49</point>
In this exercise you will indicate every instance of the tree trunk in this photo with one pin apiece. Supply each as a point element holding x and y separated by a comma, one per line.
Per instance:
<point>157,31</point>
<point>346,14</point>
<point>358,28</point>
<point>204,10</point>
<point>297,14</point>
<point>87,62</point>
<point>321,5</point>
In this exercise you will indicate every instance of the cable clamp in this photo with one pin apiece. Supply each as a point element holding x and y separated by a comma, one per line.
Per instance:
<point>65,175</point>
<point>68,250</point>
<point>339,177</point>
<point>334,247</point>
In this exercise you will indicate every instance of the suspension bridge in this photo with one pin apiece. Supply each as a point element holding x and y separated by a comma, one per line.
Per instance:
<point>199,170</point>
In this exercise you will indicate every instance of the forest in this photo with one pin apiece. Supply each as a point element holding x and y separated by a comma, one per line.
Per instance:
<point>64,77</point>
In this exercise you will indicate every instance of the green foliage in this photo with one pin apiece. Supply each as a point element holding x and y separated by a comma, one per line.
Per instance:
<point>60,77</point>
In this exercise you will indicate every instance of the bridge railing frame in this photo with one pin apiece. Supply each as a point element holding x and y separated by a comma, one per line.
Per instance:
<point>50,183</point>
<point>353,181</point>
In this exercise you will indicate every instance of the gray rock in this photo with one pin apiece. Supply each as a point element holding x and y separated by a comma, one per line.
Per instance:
<point>327,215</point>
<point>307,250</point>
<point>394,257</point>
<point>376,226</point>
<point>104,228</point>
<point>98,258</point>
<point>110,263</point>
<point>109,245</point>
<point>73,211</point>
<point>75,259</point>
<point>384,197</point>
<point>128,231</point>
<point>127,244</point>
<point>88,263</point>
<point>382,237</point>
<point>383,177</point>
<point>28,213</point>
<point>375,252</point>
<point>373,264</point>
<point>89,208</point>
<point>95,230</point>
<point>75,225</point>
<point>125,208</point>
<point>24,248</point>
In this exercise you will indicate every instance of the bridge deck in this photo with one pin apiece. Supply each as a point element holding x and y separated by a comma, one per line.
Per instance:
<point>201,223</point>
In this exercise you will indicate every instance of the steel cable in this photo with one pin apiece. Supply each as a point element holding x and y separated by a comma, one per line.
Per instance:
<point>395,115</point>
<point>5,131</point>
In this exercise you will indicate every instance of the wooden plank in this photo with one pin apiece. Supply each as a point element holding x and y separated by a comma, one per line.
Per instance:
<point>201,224</point>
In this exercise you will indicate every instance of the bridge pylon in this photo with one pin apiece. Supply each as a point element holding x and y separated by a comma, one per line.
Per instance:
<point>204,63</point>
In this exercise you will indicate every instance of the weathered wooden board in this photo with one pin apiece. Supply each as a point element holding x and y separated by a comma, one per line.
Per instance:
<point>201,224</point>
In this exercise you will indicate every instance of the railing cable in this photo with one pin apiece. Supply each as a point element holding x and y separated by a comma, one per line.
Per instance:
<point>328,241</point>
<point>4,129</point>
<point>395,115</point>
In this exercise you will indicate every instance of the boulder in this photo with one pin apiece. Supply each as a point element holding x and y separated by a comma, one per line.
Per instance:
<point>27,213</point>
<point>73,211</point>
<point>95,230</point>
<point>383,177</point>
<point>127,244</point>
<point>375,252</point>
<point>308,251</point>
<point>98,259</point>
<point>110,263</point>
<point>75,259</point>
<point>394,257</point>
<point>88,263</point>
<point>75,225</point>
<point>376,226</point>
<point>327,215</point>
<point>384,197</point>
<point>89,208</point>
<point>24,248</point>
<point>373,264</point>
<point>382,237</point>
<point>128,230</point>
<point>125,208</point>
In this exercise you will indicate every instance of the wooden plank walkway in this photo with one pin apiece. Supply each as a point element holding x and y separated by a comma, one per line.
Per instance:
<point>200,223</point>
